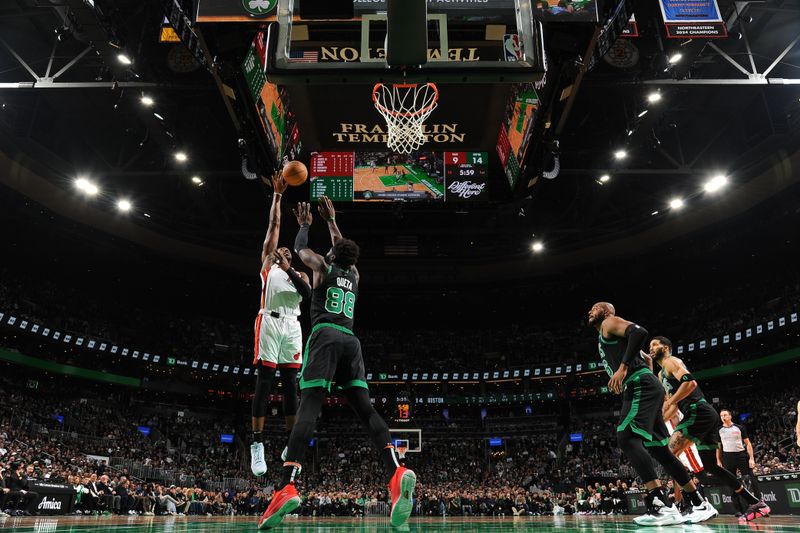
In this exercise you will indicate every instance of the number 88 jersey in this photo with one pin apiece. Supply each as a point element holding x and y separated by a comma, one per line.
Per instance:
<point>334,300</point>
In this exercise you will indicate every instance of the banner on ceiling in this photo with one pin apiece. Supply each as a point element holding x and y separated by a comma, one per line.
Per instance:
<point>693,19</point>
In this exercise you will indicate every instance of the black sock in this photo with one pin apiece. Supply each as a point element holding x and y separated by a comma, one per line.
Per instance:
<point>258,436</point>
<point>290,473</point>
<point>661,494</point>
<point>746,495</point>
<point>694,497</point>
<point>389,457</point>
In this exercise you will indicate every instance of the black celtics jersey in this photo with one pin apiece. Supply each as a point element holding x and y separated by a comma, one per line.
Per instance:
<point>671,385</point>
<point>611,352</point>
<point>334,300</point>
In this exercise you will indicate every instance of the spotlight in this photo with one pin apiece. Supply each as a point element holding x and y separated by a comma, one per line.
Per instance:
<point>643,113</point>
<point>620,154</point>
<point>676,203</point>
<point>86,186</point>
<point>196,180</point>
<point>715,183</point>
<point>146,100</point>
<point>537,246</point>
<point>654,213</point>
<point>675,58</point>
<point>125,60</point>
<point>605,178</point>
<point>654,97</point>
<point>159,117</point>
<point>124,206</point>
<point>181,157</point>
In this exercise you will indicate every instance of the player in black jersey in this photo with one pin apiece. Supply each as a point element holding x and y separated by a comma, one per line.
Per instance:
<point>700,422</point>
<point>333,356</point>
<point>641,432</point>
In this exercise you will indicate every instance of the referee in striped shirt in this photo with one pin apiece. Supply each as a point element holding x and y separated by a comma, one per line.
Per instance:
<point>736,451</point>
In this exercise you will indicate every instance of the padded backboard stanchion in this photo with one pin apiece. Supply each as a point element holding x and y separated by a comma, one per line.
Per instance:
<point>406,33</point>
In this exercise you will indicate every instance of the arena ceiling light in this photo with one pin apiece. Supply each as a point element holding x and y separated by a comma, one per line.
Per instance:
<point>675,58</point>
<point>146,100</point>
<point>605,178</point>
<point>124,59</point>
<point>654,97</point>
<point>643,113</point>
<point>537,247</point>
<point>86,187</point>
<point>676,203</point>
<point>620,154</point>
<point>181,157</point>
<point>124,206</point>
<point>197,180</point>
<point>716,183</point>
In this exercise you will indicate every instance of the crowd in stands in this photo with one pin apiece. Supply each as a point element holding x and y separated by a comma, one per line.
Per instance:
<point>534,474</point>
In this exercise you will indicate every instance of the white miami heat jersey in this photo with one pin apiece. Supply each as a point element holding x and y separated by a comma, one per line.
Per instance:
<point>278,293</point>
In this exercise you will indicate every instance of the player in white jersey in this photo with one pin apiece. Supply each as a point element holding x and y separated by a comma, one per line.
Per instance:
<point>278,337</point>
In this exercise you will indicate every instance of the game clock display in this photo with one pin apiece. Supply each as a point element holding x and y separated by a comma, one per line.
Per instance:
<point>402,411</point>
<point>465,175</point>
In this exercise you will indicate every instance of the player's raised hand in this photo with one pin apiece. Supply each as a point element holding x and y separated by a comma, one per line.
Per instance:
<point>278,183</point>
<point>303,213</point>
<point>326,209</point>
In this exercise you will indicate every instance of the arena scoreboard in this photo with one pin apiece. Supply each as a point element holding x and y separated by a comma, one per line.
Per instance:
<point>332,176</point>
<point>389,177</point>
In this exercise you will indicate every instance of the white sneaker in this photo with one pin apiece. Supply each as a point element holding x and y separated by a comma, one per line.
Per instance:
<point>257,463</point>
<point>660,515</point>
<point>700,513</point>
<point>284,454</point>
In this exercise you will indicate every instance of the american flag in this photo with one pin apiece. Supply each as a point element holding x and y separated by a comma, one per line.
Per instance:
<point>304,56</point>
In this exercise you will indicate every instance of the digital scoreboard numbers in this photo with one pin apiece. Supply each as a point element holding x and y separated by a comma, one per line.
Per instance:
<point>402,411</point>
<point>466,174</point>
<point>332,176</point>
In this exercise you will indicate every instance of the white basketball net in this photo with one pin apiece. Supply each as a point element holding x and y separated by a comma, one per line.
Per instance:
<point>405,108</point>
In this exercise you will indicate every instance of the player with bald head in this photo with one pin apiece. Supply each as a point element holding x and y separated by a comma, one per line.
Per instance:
<point>641,433</point>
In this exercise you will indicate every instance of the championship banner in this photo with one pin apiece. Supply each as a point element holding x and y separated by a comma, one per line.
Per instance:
<point>693,19</point>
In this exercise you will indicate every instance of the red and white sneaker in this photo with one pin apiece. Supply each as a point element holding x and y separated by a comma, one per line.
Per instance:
<point>756,510</point>
<point>283,502</point>
<point>401,489</point>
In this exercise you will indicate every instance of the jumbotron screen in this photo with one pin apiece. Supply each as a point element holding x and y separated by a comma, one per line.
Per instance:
<point>390,177</point>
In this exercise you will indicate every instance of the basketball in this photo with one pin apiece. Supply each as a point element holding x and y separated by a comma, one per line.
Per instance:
<point>295,173</point>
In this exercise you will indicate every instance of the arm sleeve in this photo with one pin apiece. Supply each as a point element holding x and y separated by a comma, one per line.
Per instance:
<point>299,284</point>
<point>636,336</point>
<point>301,241</point>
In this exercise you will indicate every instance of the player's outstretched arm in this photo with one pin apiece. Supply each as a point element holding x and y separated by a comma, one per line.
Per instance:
<point>274,228</point>
<point>328,213</point>
<point>311,259</point>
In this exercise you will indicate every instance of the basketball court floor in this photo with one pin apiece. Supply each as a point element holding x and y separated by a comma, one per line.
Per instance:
<point>586,524</point>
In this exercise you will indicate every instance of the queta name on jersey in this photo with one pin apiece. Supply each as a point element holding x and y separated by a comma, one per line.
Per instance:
<point>344,283</point>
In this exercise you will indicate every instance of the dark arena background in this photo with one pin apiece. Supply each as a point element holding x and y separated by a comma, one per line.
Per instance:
<point>549,156</point>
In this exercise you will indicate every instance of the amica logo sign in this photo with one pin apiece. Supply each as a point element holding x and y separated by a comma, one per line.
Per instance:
<point>53,505</point>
